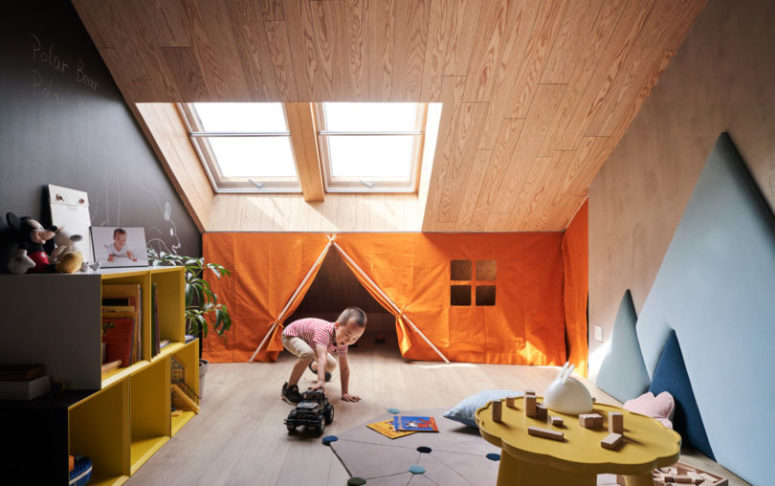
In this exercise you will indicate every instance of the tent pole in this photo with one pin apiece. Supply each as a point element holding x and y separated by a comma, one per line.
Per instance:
<point>290,301</point>
<point>389,301</point>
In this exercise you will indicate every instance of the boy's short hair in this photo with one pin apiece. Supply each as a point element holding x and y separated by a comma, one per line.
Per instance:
<point>352,313</point>
<point>119,231</point>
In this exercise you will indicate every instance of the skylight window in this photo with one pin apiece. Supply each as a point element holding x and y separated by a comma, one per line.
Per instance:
<point>245,147</point>
<point>370,147</point>
<point>311,148</point>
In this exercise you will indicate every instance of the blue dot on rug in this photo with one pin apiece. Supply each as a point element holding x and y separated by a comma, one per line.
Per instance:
<point>493,456</point>
<point>329,439</point>
<point>424,449</point>
<point>415,469</point>
<point>393,410</point>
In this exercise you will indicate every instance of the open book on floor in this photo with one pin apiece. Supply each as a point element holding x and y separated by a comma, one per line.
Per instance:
<point>412,423</point>
<point>385,427</point>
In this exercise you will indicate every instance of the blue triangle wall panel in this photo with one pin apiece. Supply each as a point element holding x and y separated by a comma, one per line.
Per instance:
<point>671,376</point>
<point>623,373</point>
<point>716,288</point>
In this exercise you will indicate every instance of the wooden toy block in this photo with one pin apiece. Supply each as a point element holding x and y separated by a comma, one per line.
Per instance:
<point>586,420</point>
<point>591,420</point>
<point>497,411</point>
<point>510,403</point>
<point>546,433</point>
<point>541,411</point>
<point>682,479</point>
<point>612,441</point>
<point>530,405</point>
<point>616,422</point>
<point>556,421</point>
<point>529,392</point>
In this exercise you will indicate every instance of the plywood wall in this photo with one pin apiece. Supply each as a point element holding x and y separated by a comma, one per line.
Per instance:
<point>720,79</point>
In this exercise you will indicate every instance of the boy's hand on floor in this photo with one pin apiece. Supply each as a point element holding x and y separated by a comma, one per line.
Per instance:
<point>346,397</point>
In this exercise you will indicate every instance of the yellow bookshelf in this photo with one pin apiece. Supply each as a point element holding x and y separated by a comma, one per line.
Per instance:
<point>118,419</point>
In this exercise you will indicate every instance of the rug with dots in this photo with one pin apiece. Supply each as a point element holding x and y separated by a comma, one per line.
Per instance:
<point>455,455</point>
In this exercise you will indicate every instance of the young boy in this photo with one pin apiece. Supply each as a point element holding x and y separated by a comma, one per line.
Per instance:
<point>312,340</point>
<point>117,250</point>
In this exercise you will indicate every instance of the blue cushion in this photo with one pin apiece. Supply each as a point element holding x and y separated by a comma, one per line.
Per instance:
<point>464,411</point>
<point>671,376</point>
<point>623,374</point>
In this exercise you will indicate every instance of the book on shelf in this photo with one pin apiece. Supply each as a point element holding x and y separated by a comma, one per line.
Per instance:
<point>110,366</point>
<point>385,427</point>
<point>115,296</point>
<point>26,389</point>
<point>21,372</point>
<point>155,339</point>
<point>118,335</point>
<point>415,423</point>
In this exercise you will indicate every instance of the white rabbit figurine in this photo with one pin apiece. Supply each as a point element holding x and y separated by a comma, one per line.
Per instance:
<point>568,395</point>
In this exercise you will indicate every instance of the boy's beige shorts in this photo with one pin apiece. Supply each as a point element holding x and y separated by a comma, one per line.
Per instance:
<point>300,348</point>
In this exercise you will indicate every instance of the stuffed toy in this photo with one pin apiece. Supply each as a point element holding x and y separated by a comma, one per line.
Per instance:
<point>66,257</point>
<point>70,262</point>
<point>30,236</point>
<point>20,262</point>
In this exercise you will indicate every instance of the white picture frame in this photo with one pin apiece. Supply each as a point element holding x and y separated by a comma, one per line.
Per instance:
<point>116,246</point>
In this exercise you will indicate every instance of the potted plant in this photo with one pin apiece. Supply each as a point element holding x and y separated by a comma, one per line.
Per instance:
<point>201,301</point>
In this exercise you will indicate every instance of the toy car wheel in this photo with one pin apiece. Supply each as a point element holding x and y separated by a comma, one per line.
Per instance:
<point>319,427</point>
<point>291,429</point>
<point>329,415</point>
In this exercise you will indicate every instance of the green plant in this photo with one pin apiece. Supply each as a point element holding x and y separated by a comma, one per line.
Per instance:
<point>201,300</point>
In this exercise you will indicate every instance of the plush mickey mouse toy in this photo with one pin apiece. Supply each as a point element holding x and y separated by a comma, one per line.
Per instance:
<point>31,235</point>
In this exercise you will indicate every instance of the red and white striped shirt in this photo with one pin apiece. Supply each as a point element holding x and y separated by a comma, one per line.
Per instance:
<point>314,331</point>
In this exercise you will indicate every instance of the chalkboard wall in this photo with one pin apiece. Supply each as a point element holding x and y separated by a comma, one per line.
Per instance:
<point>63,121</point>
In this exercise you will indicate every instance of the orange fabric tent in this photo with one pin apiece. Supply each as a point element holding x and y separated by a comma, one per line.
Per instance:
<point>575,262</point>
<point>411,271</point>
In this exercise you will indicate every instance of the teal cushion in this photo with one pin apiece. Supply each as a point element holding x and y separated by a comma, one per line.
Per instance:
<point>623,374</point>
<point>464,411</point>
<point>671,376</point>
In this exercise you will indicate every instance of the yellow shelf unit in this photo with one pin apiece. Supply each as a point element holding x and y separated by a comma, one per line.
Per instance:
<point>99,429</point>
<point>149,405</point>
<point>118,419</point>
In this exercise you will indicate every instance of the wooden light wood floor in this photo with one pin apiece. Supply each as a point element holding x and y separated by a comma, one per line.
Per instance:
<point>239,437</point>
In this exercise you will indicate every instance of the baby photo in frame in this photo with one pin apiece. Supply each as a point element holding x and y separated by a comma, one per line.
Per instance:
<point>119,246</point>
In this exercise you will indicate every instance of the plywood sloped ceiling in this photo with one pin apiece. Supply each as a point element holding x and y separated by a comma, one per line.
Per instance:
<point>536,93</point>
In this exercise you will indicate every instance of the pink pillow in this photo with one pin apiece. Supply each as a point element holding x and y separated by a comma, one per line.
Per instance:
<point>659,407</point>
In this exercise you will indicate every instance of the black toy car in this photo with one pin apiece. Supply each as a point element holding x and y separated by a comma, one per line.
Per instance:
<point>313,412</point>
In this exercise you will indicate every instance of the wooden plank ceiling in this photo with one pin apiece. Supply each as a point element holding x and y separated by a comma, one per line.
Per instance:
<point>536,93</point>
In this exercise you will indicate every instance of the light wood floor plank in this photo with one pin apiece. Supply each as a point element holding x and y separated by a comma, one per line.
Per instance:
<point>239,437</point>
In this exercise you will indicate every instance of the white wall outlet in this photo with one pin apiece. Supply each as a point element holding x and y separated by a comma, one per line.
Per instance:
<point>599,333</point>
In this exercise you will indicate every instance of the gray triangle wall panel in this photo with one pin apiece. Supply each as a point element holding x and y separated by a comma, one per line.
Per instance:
<point>716,288</point>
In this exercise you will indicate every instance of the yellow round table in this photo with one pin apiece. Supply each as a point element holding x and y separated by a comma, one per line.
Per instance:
<point>579,458</point>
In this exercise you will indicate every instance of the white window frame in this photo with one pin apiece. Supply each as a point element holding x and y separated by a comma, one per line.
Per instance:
<point>220,183</point>
<point>371,185</point>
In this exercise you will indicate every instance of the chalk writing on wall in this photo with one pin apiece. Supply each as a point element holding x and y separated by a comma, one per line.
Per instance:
<point>48,62</point>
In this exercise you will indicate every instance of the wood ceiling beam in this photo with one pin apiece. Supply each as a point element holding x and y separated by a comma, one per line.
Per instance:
<point>305,150</point>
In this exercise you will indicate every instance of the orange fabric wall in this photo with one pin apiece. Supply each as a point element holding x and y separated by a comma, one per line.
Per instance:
<point>526,326</point>
<point>266,270</point>
<point>575,259</point>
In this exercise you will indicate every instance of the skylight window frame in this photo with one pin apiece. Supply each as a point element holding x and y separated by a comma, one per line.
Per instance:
<point>222,184</point>
<point>370,185</point>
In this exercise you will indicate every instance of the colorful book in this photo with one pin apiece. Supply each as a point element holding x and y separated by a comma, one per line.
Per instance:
<point>386,428</point>
<point>131,295</point>
<point>110,366</point>
<point>414,423</point>
<point>21,372</point>
<point>118,334</point>
<point>155,340</point>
